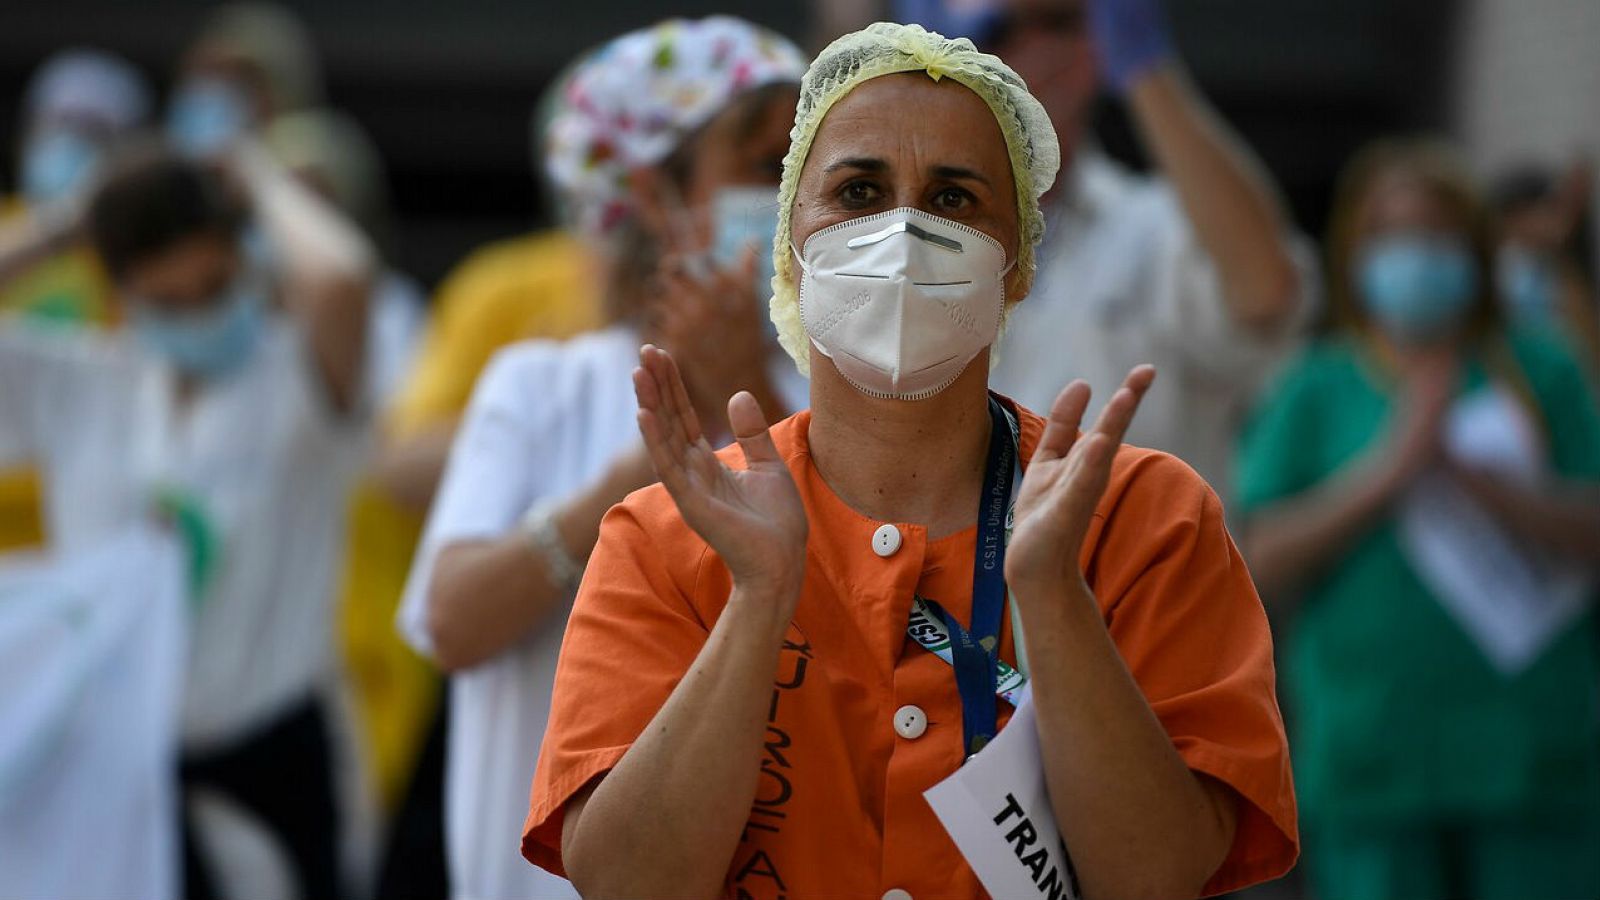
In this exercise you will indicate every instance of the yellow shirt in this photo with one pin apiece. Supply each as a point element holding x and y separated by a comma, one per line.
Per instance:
<point>538,285</point>
<point>21,522</point>
<point>70,286</point>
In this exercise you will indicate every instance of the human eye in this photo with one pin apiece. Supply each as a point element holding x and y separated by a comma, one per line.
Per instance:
<point>858,193</point>
<point>953,200</point>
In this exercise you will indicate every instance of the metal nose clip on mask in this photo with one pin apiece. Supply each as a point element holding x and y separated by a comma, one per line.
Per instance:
<point>902,301</point>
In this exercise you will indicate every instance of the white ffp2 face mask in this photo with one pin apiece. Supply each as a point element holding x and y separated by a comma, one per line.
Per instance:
<point>903,300</point>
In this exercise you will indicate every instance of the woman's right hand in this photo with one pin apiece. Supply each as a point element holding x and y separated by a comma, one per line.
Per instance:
<point>753,517</point>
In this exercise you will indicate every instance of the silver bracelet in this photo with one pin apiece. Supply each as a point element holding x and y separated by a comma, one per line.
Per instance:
<point>538,525</point>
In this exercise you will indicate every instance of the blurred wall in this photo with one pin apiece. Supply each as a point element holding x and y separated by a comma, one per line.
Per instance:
<point>1526,84</point>
<point>1307,82</point>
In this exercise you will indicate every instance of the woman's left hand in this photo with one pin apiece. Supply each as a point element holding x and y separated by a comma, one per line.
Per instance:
<point>1063,484</point>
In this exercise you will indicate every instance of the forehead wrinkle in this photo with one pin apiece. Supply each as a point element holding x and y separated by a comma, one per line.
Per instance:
<point>918,125</point>
<point>877,150</point>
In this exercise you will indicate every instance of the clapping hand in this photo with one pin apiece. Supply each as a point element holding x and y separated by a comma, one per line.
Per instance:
<point>1416,442</point>
<point>753,517</point>
<point>1063,484</point>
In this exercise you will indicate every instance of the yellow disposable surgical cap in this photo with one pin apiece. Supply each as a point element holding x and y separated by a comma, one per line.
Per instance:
<point>885,48</point>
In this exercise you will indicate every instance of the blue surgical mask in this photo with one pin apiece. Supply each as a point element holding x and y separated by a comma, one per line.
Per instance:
<point>214,342</point>
<point>56,163</point>
<point>206,116</point>
<point>1416,287</point>
<point>1527,286</point>
<point>747,217</point>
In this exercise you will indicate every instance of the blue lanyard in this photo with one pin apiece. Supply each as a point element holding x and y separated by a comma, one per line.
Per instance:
<point>975,652</point>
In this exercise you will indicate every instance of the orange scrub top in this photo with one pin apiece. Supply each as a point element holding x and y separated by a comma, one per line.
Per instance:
<point>839,809</point>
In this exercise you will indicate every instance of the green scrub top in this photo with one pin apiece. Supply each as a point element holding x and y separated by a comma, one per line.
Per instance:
<point>1395,713</point>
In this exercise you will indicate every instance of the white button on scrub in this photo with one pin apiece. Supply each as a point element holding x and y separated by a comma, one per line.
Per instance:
<point>897,894</point>
<point>910,722</point>
<point>886,540</point>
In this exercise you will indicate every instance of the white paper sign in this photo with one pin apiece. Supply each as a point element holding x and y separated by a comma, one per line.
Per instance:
<point>1511,600</point>
<point>998,812</point>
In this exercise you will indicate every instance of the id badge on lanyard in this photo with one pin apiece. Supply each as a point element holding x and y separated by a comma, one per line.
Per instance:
<point>981,676</point>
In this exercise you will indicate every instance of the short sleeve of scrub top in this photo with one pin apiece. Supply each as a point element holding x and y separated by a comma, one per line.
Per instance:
<point>1183,612</point>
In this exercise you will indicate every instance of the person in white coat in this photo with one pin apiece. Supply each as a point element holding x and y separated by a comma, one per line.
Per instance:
<point>231,404</point>
<point>670,171</point>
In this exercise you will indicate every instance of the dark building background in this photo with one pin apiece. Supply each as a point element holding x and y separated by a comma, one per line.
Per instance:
<point>446,89</point>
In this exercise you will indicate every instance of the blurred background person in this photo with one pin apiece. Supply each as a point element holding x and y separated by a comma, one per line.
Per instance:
<point>234,399</point>
<point>252,71</point>
<point>1193,270</point>
<point>666,144</point>
<point>542,284</point>
<point>331,154</point>
<point>77,106</point>
<point>1542,226</point>
<point>390,693</point>
<point>250,64</point>
<point>1421,493</point>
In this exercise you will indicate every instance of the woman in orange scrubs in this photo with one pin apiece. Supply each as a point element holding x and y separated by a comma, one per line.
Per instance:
<point>738,710</point>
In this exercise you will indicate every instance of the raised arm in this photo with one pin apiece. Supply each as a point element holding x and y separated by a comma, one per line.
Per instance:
<point>1225,191</point>
<point>326,263</point>
<point>666,820</point>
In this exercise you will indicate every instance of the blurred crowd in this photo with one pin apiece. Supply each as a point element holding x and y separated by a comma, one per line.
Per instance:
<point>286,540</point>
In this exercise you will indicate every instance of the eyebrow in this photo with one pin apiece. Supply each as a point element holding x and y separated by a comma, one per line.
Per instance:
<point>874,164</point>
<point>864,163</point>
<point>957,173</point>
